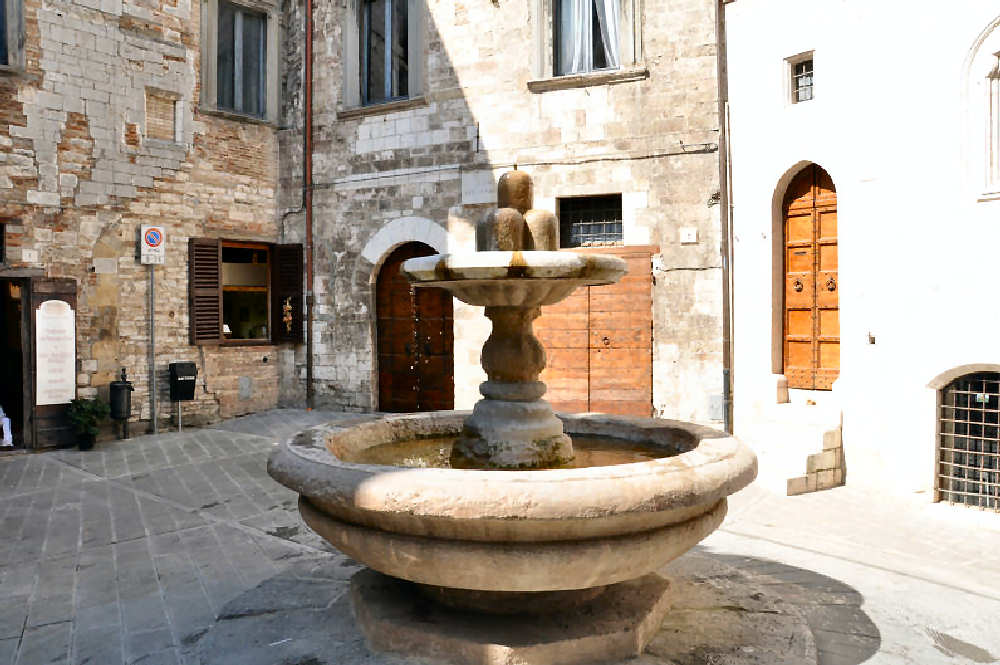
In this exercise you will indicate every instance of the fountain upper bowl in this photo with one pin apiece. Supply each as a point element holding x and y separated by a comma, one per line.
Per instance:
<point>526,279</point>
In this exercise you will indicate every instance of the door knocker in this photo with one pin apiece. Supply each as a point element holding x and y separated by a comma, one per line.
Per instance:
<point>831,284</point>
<point>797,285</point>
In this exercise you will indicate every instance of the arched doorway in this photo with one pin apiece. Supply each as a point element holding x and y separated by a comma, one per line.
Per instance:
<point>811,328</point>
<point>414,339</point>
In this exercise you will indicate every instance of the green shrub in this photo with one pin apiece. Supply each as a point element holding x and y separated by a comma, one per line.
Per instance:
<point>86,415</point>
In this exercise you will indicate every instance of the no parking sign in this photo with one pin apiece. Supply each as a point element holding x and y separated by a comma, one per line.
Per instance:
<point>153,244</point>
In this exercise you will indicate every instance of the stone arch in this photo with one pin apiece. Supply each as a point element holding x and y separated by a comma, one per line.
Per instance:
<point>398,232</point>
<point>947,376</point>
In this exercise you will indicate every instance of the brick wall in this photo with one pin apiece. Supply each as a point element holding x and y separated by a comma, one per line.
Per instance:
<point>82,167</point>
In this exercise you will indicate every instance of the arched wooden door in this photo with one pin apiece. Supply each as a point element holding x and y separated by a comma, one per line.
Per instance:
<point>415,343</point>
<point>811,333</point>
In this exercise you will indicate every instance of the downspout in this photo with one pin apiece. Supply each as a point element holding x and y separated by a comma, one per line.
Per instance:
<point>307,187</point>
<point>725,216</point>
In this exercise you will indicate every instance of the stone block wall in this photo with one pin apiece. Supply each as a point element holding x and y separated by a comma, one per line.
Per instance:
<point>80,173</point>
<point>434,159</point>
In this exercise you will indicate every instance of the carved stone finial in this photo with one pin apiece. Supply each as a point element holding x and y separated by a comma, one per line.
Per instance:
<point>515,191</point>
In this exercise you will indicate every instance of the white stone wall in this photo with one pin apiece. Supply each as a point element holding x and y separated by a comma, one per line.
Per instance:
<point>898,122</point>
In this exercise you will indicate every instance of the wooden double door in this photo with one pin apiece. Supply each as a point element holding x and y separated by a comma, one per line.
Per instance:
<point>599,342</point>
<point>811,331</point>
<point>414,339</point>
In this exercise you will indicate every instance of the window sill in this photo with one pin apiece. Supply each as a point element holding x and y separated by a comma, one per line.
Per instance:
<point>381,109</point>
<point>164,143</point>
<point>233,115</point>
<point>589,79</point>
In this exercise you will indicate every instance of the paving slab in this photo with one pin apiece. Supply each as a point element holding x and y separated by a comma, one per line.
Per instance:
<point>178,548</point>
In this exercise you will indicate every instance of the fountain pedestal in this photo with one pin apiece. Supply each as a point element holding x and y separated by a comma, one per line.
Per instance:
<point>512,427</point>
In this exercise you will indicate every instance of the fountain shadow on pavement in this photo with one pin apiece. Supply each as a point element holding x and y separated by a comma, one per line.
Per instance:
<point>726,609</point>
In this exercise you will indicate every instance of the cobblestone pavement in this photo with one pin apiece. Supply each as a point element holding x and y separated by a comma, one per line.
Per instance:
<point>178,548</point>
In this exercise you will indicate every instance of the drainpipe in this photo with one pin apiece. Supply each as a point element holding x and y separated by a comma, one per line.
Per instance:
<point>725,217</point>
<point>307,187</point>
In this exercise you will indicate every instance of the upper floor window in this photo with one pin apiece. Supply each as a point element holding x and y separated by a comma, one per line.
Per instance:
<point>586,35</point>
<point>11,34</point>
<point>802,81</point>
<point>993,118</point>
<point>384,56</point>
<point>3,33</point>
<point>242,56</point>
<point>239,57</point>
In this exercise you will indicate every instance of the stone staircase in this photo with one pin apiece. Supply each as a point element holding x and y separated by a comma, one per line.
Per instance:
<point>795,436</point>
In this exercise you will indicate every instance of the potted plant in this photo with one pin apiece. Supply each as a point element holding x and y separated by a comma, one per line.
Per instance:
<point>86,416</point>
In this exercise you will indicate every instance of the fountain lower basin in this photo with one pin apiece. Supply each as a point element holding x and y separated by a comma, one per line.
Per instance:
<point>514,531</point>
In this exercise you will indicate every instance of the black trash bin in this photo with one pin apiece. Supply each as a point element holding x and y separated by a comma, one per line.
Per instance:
<point>182,379</point>
<point>121,400</point>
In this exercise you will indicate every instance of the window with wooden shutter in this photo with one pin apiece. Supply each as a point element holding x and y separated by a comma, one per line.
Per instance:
<point>286,294</point>
<point>205,290</point>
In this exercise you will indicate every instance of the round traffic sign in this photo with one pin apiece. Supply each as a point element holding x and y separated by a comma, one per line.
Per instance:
<point>153,237</point>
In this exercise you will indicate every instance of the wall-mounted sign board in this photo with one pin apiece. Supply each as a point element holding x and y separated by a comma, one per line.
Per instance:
<point>55,353</point>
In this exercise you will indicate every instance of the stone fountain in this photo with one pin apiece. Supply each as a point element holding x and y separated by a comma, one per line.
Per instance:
<point>538,540</point>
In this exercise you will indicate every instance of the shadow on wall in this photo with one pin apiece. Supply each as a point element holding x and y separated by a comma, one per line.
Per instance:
<point>732,609</point>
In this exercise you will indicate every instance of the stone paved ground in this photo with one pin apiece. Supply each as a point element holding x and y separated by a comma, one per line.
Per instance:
<point>179,549</point>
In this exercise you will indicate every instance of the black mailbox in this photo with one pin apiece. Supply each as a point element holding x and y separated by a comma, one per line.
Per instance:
<point>182,378</point>
<point>121,398</point>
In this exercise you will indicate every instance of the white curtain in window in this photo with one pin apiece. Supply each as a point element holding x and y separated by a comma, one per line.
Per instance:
<point>608,18</point>
<point>575,45</point>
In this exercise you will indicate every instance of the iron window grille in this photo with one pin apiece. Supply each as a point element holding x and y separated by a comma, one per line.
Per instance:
<point>802,81</point>
<point>969,441</point>
<point>242,58</point>
<point>384,47</point>
<point>587,221</point>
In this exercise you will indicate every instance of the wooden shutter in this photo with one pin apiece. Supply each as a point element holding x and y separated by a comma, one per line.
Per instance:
<point>205,290</point>
<point>286,289</point>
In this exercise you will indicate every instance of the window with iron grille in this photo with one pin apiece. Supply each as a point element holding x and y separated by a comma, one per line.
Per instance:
<point>586,221</point>
<point>802,81</point>
<point>969,441</point>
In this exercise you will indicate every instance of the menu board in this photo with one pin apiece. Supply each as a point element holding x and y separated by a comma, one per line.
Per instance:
<point>55,353</point>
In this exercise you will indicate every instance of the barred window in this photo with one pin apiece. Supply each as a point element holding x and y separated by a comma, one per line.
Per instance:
<point>586,221</point>
<point>802,81</point>
<point>969,441</point>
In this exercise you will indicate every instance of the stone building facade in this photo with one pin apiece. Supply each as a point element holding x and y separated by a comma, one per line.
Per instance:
<point>482,95</point>
<point>105,126</point>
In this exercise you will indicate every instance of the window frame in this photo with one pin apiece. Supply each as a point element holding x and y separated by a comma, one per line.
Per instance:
<point>277,291</point>
<point>267,247</point>
<point>632,65</point>
<point>556,23</point>
<point>210,53</point>
<point>352,99</point>
<point>791,91</point>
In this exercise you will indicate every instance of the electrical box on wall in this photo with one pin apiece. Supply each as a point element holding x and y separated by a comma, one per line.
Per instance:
<point>688,235</point>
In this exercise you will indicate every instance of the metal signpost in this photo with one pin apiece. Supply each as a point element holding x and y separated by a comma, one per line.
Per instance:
<point>152,251</point>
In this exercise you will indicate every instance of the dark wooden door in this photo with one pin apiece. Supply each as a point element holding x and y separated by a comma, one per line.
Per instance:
<point>49,424</point>
<point>415,339</point>
<point>599,342</point>
<point>811,297</point>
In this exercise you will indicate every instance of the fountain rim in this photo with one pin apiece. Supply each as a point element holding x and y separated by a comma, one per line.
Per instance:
<point>712,447</point>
